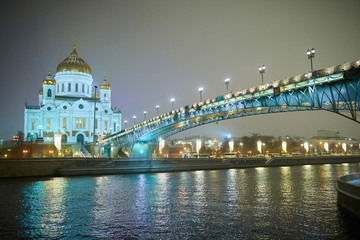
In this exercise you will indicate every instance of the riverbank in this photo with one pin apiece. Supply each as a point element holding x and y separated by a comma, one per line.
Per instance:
<point>10,168</point>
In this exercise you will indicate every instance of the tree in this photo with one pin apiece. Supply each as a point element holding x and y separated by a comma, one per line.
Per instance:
<point>204,150</point>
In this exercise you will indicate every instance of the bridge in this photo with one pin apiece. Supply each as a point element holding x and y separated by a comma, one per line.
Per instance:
<point>335,89</point>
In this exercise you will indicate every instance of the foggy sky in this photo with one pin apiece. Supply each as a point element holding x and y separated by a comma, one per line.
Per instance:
<point>155,50</point>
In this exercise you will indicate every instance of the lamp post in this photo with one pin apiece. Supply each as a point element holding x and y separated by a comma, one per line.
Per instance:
<point>172,103</point>
<point>157,110</point>
<point>134,117</point>
<point>201,89</point>
<point>144,115</point>
<point>93,146</point>
<point>262,71</point>
<point>125,122</point>
<point>311,54</point>
<point>227,81</point>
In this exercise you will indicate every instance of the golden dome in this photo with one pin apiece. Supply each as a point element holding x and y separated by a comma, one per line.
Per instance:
<point>49,80</point>
<point>105,84</point>
<point>40,92</point>
<point>73,63</point>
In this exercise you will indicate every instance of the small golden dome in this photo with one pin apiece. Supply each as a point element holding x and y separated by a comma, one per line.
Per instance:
<point>105,84</point>
<point>40,92</point>
<point>49,80</point>
<point>73,63</point>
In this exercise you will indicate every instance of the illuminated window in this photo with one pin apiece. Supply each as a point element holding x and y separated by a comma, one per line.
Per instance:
<point>69,87</point>
<point>48,123</point>
<point>80,123</point>
<point>32,124</point>
<point>105,126</point>
<point>76,87</point>
<point>64,123</point>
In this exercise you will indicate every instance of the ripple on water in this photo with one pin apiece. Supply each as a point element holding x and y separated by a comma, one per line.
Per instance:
<point>293,202</point>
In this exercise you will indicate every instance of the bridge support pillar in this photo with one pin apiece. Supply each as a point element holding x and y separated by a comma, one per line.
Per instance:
<point>114,150</point>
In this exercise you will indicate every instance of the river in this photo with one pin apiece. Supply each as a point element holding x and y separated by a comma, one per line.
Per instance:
<point>297,202</point>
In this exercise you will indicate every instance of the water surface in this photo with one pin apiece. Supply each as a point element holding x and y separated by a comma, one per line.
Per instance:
<point>297,202</point>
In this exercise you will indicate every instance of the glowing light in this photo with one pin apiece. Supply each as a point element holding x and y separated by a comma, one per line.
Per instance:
<point>326,147</point>
<point>198,145</point>
<point>262,69</point>
<point>343,146</point>
<point>231,146</point>
<point>284,145</point>
<point>161,144</point>
<point>57,141</point>
<point>259,146</point>
<point>306,146</point>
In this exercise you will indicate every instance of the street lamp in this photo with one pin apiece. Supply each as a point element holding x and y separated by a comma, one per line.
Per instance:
<point>172,103</point>
<point>227,81</point>
<point>262,71</point>
<point>144,115</point>
<point>134,117</point>
<point>157,110</point>
<point>125,122</point>
<point>201,89</point>
<point>311,54</point>
<point>93,146</point>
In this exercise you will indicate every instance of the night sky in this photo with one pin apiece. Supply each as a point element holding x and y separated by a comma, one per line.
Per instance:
<point>152,51</point>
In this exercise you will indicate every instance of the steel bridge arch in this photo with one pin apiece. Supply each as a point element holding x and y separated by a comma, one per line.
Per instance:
<point>335,89</point>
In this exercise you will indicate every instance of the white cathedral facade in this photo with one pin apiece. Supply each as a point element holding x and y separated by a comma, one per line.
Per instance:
<point>66,106</point>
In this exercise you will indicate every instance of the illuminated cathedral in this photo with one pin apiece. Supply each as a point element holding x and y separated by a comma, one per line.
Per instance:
<point>66,106</point>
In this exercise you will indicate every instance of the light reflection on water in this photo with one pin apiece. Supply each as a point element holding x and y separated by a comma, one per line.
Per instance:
<point>264,203</point>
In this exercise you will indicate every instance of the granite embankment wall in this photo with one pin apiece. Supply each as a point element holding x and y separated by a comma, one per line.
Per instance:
<point>98,166</point>
<point>43,166</point>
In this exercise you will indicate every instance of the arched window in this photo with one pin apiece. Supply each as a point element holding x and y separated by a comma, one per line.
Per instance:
<point>88,89</point>
<point>58,88</point>
<point>69,87</point>
<point>83,88</point>
<point>62,87</point>
<point>76,87</point>
<point>105,97</point>
<point>49,93</point>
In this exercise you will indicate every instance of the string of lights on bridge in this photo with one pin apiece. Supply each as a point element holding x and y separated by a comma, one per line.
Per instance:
<point>310,54</point>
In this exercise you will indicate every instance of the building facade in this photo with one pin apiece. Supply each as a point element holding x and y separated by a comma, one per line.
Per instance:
<point>66,106</point>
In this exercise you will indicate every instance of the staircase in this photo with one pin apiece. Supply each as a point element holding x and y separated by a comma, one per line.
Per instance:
<point>85,152</point>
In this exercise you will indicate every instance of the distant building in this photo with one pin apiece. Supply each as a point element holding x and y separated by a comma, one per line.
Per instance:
<point>66,106</point>
<point>328,134</point>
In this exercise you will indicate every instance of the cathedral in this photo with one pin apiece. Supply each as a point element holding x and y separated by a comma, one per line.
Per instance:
<point>67,103</point>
